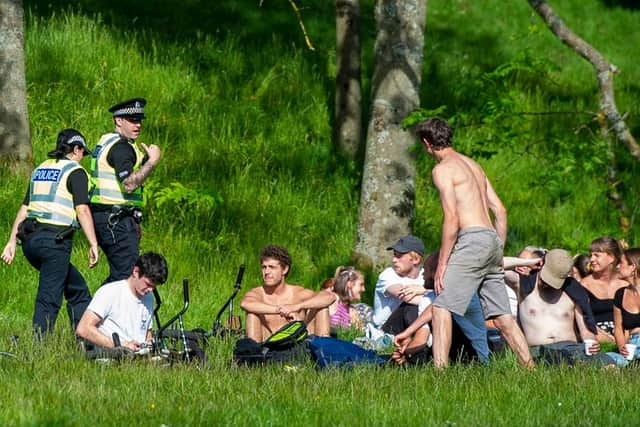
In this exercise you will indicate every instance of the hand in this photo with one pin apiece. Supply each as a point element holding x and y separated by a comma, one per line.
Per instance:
<point>595,348</point>
<point>401,341</point>
<point>289,312</point>
<point>407,293</point>
<point>9,252</point>
<point>131,345</point>
<point>398,357</point>
<point>153,152</point>
<point>623,351</point>
<point>439,279</point>
<point>93,256</point>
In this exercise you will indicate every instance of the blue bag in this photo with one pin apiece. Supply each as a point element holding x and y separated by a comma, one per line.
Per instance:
<point>329,351</point>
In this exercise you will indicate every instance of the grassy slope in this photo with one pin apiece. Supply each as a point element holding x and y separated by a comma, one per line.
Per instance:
<point>242,111</point>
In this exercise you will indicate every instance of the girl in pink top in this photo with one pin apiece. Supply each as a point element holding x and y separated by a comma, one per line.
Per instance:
<point>348,286</point>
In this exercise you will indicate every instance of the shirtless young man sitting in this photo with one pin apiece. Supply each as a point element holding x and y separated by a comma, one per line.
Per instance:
<point>276,303</point>
<point>471,250</point>
<point>553,306</point>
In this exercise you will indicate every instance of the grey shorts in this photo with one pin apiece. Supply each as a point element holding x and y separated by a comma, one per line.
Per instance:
<point>475,265</point>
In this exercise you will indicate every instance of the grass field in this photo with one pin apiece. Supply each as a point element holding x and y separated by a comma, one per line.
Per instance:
<point>243,113</point>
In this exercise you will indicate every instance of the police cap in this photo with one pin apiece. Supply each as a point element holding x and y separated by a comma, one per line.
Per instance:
<point>130,109</point>
<point>69,138</point>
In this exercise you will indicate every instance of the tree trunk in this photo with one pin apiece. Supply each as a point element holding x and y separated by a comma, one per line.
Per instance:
<point>604,72</point>
<point>348,114</point>
<point>15,140</point>
<point>388,182</point>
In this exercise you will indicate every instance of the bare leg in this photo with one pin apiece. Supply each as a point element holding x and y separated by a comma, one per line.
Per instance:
<point>254,327</point>
<point>441,336</point>
<point>515,339</point>
<point>318,322</point>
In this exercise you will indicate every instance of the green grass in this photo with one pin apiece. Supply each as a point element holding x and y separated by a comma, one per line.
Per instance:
<point>243,114</point>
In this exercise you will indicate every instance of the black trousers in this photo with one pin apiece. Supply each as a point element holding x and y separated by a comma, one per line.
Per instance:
<point>58,278</point>
<point>120,243</point>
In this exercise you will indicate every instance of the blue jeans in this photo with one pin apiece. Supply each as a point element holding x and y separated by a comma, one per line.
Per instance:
<point>473,326</point>
<point>620,359</point>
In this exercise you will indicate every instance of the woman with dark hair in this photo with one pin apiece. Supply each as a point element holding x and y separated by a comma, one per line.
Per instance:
<point>581,267</point>
<point>56,204</point>
<point>603,282</point>
<point>626,309</point>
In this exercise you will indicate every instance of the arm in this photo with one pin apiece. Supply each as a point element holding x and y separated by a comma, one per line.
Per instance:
<point>9,251</point>
<point>86,222</point>
<point>136,178</point>
<point>253,303</point>
<point>512,280</point>
<point>585,333</point>
<point>510,262</point>
<point>88,329</point>
<point>408,293</point>
<point>619,333</point>
<point>450,224</point>
<point>310,301</point>
<point>499,213</point>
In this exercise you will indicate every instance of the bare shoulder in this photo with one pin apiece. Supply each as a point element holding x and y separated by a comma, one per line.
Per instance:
<point>300,291</point>
<point>256,293</point>
<point>587,282</point>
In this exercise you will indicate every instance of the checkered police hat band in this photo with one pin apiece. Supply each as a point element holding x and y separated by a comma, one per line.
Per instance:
<point>128,111</point>
<point>77,139</point>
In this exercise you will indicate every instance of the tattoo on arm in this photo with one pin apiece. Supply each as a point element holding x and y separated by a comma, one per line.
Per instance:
<point>136,179</point>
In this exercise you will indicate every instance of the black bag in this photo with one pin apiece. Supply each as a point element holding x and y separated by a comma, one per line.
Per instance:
<point>287,344</point>
<point>288,336</point>
<point>250,353</point>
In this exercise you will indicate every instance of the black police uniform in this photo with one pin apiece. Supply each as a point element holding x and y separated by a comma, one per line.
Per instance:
<point>48,247</point>
<point>117,230</point>
<point>118,226</point>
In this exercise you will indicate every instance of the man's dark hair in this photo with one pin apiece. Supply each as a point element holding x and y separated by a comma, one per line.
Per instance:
<point>153,266</point>
<point>436,131</point>
<point>279,253</point>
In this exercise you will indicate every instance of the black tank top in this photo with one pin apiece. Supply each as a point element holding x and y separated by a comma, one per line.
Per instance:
<point>629,320</point>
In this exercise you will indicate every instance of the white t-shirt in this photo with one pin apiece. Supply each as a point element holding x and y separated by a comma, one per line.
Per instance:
<point>122,312</point>
<point>513,301</point>
<point>383,303</point>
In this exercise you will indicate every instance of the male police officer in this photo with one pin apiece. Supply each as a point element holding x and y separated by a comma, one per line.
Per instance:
<point>57,199</point>
<point>118,168</point>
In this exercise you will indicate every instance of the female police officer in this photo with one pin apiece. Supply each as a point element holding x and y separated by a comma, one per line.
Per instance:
<point>57,199</point>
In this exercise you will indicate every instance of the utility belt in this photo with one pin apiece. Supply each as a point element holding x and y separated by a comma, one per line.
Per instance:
<point>31,225</point>
<point>118,212</point>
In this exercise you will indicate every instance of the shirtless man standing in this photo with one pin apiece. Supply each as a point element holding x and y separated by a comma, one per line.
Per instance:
<point>275,303</point>
<point>471,251</point>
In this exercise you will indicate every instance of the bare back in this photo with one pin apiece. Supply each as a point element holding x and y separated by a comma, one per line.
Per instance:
<point>469,185</point>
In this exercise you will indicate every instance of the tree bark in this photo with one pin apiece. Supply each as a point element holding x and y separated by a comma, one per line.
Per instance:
<point>15,140</point>
<point>348,113</point>
<point>388,183</point>
<point>604,73</point>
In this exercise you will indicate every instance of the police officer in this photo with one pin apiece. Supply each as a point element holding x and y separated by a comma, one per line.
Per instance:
<point>119,166</point>
<point>56,200</point>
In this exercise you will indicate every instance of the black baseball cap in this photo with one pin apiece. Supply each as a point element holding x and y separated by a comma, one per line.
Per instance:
<point>408,244</point>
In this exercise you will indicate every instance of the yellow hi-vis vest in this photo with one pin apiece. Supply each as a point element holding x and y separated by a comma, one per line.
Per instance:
<point>50,201</point>
<point>106,189</point>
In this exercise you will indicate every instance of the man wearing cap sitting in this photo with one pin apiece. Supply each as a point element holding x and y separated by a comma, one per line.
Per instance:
<point>57,200</point>
<point>119,167</point>
<point>400,288</point>
<point>553,306</point>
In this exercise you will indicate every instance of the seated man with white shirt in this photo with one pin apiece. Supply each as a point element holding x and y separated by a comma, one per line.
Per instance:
<point>125,307</point>
<point>400,287</point>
